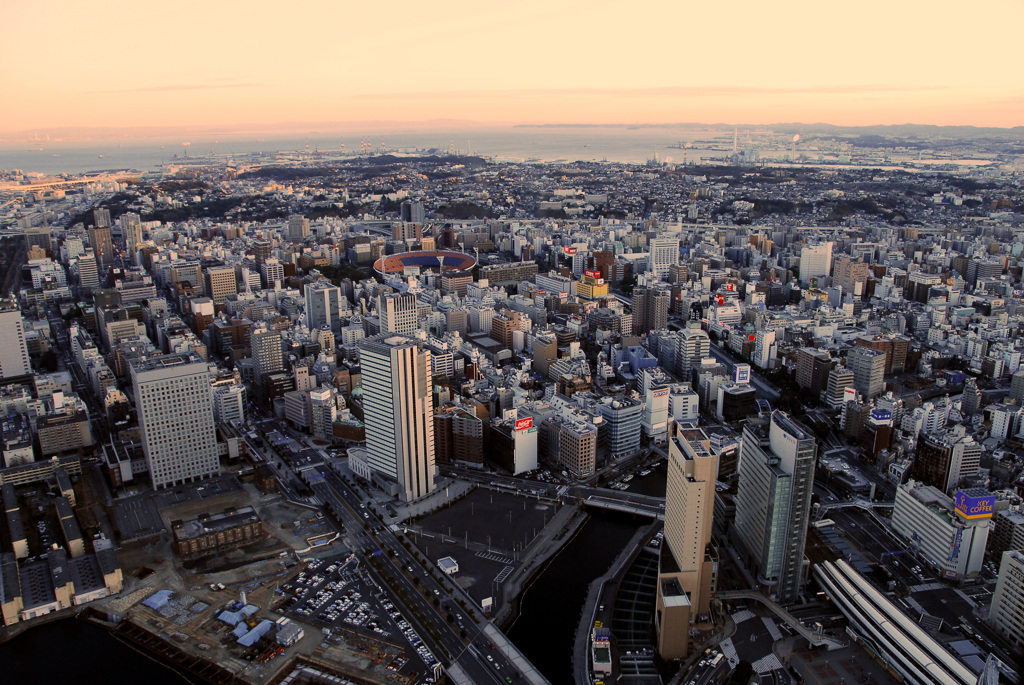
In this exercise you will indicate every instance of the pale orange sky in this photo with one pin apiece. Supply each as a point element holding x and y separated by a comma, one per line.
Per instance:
<point>250,63</point>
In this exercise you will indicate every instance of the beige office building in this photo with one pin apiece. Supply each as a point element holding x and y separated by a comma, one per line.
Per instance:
<point>689,561</point>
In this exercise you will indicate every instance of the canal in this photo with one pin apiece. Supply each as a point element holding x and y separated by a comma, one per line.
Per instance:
<point>550,606</point>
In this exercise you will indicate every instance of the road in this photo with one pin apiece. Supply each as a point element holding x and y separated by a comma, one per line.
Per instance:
<point>645,504</point>
<point>764,390</point>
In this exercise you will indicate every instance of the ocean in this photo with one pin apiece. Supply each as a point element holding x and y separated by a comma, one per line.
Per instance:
<point>612,144</point>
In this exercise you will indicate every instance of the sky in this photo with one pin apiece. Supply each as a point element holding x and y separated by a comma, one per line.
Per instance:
<point>251,64</point>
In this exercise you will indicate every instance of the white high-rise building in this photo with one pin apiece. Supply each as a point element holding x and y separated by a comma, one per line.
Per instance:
<point>397,313</point>
<point>398,413</point>
<point>764,348</point>
<point>229,403</point>
<point>664,253</point>
<point>1007,612</point>
<point>13,350</point>
<point>322,303</point>
<point>172,397</point>
<point>323,412</point>
<point>815,262</point>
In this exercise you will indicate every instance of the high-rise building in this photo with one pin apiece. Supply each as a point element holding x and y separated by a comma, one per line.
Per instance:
<point>868,367</point>
<point>545,351</point>
<point>839,379</point>
<point>1006,615</point>
<point>946,533</point>
<point>398,413</point>
<point>692,345</point>
<point>102,247</point>
<point>650,309</point>
<point>812,369</point>
<point>773,503</point>
<point>688,559</point>
<point>220,283</point>
<point>13,349</point>
<point>945,459</point>
<point>850,275</point>
<point>397,312</point>
<point>131,227</point>
<point>101,217</point>
<point>271,271</point>
<point>323,412</point>
<point>664,253</point>
<point>815,262</point>
<point>298,228</point>
<point>172,397</point>
<point>919,285</point>
<point>261,251</point>
<point>323,302</point>
<point>229,403</point>
<point>267,357</point>
<point>622,419</point>
<point>764,348</point>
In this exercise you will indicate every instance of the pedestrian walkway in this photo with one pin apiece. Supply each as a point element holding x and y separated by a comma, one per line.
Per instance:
<point>767,664</point>
<point>743,615</point>
<point>729,650</point>
<point>773,629</point>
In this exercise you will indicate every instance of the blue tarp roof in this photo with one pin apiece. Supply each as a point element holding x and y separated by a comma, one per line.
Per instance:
<point>250,638</point>
<point>158,599</point>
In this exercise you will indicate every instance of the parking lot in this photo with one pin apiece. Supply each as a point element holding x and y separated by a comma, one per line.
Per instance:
<point>335,595</point>
<point>485,532</point>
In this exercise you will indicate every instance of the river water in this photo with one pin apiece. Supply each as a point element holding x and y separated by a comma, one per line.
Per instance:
<point>76,651</point>
<point>546,628</point>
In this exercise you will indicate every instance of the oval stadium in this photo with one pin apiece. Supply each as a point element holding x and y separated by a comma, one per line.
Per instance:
<point>426,260</point>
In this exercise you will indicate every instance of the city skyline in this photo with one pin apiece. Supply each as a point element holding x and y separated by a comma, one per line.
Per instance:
<point>522,64</point>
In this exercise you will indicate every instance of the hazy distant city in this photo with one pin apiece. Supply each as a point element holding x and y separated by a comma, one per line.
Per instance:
<point>694,404</point>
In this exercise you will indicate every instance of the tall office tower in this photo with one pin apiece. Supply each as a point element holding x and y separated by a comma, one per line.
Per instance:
<point>131,228</point>
<point>298,228</point>
<point>272,271</point>
<point>850,275</point>
<point>261,250</point>
<point>815,262</point>
<point>812,369</point>
<point>692,345</point>
<point>919,284</point>
<point>323,411</point>
<point>398,413</point>
<point>650,309</point>
<point>688,558</point>
<point>397,312</point>
<point>220,283</point>
<point>267,357</point>
<point>323,301</point>
<point>945,459</point>
<point>664,253</point>
<point>868,367</point>
<point>1006,615</point>
<point>773,504</point>
<point>99,239</point>
<point>13,349</point>
<point>101,217</point>
<point>172,397</point>
<point>413,212</point>
<point>839,379</point>
<point>88,271</point>
<point>971,402</point>
<point>1017,387</point>
<point>764,348</point>
<point>545,351</point>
